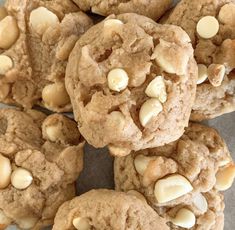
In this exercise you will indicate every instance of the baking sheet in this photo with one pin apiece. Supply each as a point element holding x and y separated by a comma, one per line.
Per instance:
<point>98,166</point>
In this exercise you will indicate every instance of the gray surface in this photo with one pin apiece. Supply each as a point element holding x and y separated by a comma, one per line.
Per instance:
<point>98,171</point>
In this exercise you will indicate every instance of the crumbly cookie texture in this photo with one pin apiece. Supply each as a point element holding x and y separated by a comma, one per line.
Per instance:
<point>40,159</point>
<point>167,176</point>
<point>151,8</point>
<point>210,25</point>
<point>107,209</point>
<point>132,83</point>
<point>36,38</point>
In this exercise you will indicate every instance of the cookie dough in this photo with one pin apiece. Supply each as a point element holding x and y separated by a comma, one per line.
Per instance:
<point>107,209</point>
<point>40,159</point>
<point>36,38</point>
<point>170,175</point>
<point>210,25</point>
<point>131,83</point>
<point>151,8</point>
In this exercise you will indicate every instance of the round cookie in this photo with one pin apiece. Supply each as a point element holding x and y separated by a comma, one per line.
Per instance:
<point>40,159</point>
<point>132,83</point>
<point>36,38</point>
<point>153,8</point>
<point>174,173</point>
<point>210,25</point>
<point>107,209</point>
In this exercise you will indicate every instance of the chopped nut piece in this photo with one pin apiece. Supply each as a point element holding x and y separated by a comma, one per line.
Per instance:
<point>216,73</point>
<point>227,14</point>
<point>141,163</point>
<point>200,202</point>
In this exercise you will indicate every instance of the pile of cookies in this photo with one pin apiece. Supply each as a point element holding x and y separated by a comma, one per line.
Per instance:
<point>136,77</point>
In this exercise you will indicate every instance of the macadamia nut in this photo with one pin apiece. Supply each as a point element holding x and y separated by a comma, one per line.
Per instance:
<point>5,172</point>
<point>21,178</point>
<point>202,74</point>
<point>5,64</point>
<point>81,223</point>
<point>141,163</point>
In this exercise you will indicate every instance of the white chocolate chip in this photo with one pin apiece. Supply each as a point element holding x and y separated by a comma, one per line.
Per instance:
<point>202,73</point>
<point>27,222</point>
<point>227,14</point>
<point>172,187</point>
<point>157,89</point>
<point>21,178</point>
<point>225,178</point>
<point>141,163</point>
<point>5,64</point>
<point>9,32</point>
<point>55,95</point>
<point>3,13</point>
<point>200,202</point>
<point>150,109</point>
<point>184,218</point>
<point>207,27</point>
<point>137,194</point>
<point>81,223</point>
<point>41,19</point>
<point>117,79</point>
<point>4,220</point>
<point>216,73</point>
<point>5,171</point>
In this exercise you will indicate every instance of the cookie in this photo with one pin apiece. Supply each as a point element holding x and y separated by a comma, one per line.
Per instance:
<point>170,175</point>
<point>153,9</point>
<point>107,209</point>
<point>36,38</point>
<point>40,159</point>
<point>132,83</point>
<point>210,25</point>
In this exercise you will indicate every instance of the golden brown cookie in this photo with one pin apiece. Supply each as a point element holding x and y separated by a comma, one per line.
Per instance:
<point>40,159</point>
<point>132,83</point>
<point>36,38</point>
<point>107,209</point>
<point>210,25</point>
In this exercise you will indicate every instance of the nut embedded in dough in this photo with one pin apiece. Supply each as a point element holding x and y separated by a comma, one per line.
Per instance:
<point>21,178</point>
<point>141,163</point>
<point>157,89</point>
<point>216,73</point>
<point>184,218</point>
<point>6,64</point>
<point>9,32</point>
<point>172,187</point>
<point>202,73</point>
<point>41,19</point>
<point>3,13</point>
<point>200,202</point>
<point>111,25</point>
<point>207,27</point>
<point>81,223</point>
<point>227,14</point>
<point>150,109</point>
<point>118,79</point>
<point>5,172</point>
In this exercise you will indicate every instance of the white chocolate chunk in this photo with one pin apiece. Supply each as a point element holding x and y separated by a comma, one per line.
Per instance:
<point>157,89</point>
<point>5,171</point>
<point>55,95</point>
<point>202,73</point>
<point>227,14</point>
<point>172,187</point>
<point>207,27</point>
<point>184,218</point>
<point>3,13</point>
<point>81,223</point>
<point>141,163</point>
<point>21,178</point>
<point>137,194</point>
<point>225,178</point>
<point>200,202</point>
<point>4,220</point>
<point>5,64</point>
<point>27,222</point>
<point>9,32</point>
<point>150,109</point>
<point>216,73</point>
<point>117,79</point>
<point>41,19</point>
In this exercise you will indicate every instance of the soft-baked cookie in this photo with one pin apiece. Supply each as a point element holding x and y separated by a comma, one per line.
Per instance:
<point>167,176</point>
<point>151,8</point>
<point>40,159</point>
<point>132,83</point>
<point>107,209</point>
<point>36,38</point>
<point>210,25</point>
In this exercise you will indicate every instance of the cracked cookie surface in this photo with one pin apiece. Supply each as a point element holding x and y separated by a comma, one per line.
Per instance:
<point>36,39</point>
<point>132,83</point>
<point>107,209</point>
<point>210,25</point>
<point>39,163</point>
